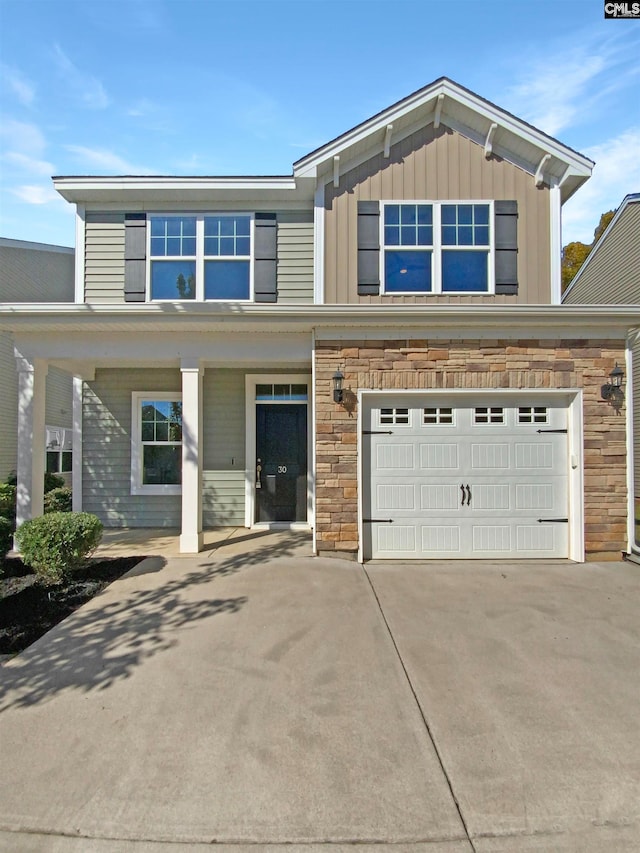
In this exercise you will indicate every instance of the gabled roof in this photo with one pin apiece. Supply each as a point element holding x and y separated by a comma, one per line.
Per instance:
<point>442,102</point>
<point>446,102</point>
<point>620,270</point>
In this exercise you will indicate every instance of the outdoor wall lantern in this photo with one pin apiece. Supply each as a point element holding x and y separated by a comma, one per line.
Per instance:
<point>612,390</point>
<point>338,379</point>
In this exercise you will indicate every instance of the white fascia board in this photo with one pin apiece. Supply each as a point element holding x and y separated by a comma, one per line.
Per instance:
<point>91,188</point>
<point>127,318</point>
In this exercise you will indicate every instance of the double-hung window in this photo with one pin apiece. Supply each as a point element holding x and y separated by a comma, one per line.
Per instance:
<point>156,443</point>
<point>200,256</point>
<point>437,247</point>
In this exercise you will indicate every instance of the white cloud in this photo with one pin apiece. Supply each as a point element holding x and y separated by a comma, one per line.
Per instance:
<point>18,84</point>
<point>29,164</point>
<point>616,173</point>
<point>36,194</point>
<point>87,88</point>
<point>567,83</point>
<point>108,161</point>
<point>23,137</point>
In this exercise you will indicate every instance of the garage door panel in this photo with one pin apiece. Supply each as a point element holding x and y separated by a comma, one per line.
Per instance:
<point>439,457</point>
<point>453,484</point>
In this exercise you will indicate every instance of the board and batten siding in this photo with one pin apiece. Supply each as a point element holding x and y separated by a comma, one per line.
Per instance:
<point>106,465</point>
<point>104,257</point>
<point>437,165</point>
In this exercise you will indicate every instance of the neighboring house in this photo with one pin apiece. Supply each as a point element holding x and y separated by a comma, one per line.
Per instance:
<point>610,275</point>
<point>35,272</point>
<point>414,260</point>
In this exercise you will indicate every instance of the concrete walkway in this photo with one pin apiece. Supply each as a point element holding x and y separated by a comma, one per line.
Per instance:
<point>257,698</point>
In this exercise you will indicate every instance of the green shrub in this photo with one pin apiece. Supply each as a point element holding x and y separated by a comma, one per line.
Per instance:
<point>6,537</point>
<point>57,543</point>
<point>7,501</point>
<point>51,481</point>
<point>58,500</point>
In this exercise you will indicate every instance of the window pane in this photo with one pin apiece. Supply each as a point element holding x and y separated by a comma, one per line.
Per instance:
<point>158,247</point>
<point>408,214</point>
<point>161,465</point>
<point>299,392</point>
<point>465,235</point>
<point>227,246</point>
<point>53,460</point>
<point>425,235</point>
<point>226,280</point>
<point>465,214</point>
<point>448,214</point>
<point>408,235</point>
<point>173,279</point>
<point>243,246</point>
<point>425,214</point>
<point>464,271</point>
<point>407,271</point>
<point>481,235</point>
<point>227,235</point>
<point>211,246</point>
<point>392,235</point>
<point>392,214</point>
<point>227,226</point>
<point>481,214</point>
<point>448,235</point>
<point>67,461</point>
<point>173,246</point>
<point>173,235</point>
<point>147,432</point>
<point>162,431</point>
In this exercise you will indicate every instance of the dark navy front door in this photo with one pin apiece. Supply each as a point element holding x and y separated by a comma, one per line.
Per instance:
<point>281,462</point>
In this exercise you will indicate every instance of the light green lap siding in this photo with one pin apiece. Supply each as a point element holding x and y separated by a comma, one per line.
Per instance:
<point>223,499</point>
<point>295,257</point>
<point>104,257</point>
<point>106,470</point>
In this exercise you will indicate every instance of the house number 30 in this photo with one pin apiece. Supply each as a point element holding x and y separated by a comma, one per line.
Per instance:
<point>282,469</point>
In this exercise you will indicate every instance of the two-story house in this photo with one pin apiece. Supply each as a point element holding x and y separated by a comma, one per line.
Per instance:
<point>372,347</point>
<point>35,273</point>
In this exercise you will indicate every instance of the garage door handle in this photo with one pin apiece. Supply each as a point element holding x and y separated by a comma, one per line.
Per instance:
<point>553,521</point>
<point>377,521</point>
<point>466,495</point>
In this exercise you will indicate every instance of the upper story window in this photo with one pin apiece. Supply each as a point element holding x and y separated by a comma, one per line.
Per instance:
<point>437,247</point>
<point>200,257</point>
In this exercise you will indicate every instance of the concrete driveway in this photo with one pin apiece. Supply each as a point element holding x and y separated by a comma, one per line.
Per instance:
<point>257,698</point>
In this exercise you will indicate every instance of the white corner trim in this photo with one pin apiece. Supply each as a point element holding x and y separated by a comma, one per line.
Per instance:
<point>555,244</point>
<point>318,245</point>
<point>80,253</point>
<point>312,440</point>
<point>76,446</point>
<point>336,170</point>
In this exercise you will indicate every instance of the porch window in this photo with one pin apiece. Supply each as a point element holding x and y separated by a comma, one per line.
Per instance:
<point>156,454</point>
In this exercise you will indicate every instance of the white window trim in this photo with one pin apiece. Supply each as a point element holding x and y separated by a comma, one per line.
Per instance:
<point>137,486</point>
<point>200,256</point>
<point>437,249</point>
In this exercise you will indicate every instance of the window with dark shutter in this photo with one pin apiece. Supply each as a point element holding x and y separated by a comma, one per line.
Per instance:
<point>506,246</point>
<point>368,248</point>
<point>265,285</point>
<point>135,256</point>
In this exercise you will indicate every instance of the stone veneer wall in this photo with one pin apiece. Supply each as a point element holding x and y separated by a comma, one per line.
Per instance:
<point>471,364</point>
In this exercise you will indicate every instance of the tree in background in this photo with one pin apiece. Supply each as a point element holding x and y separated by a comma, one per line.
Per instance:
<point>575,254</point>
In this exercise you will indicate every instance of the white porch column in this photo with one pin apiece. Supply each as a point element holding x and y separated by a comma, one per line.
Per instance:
<point>32,389</point>
<point>191,539</point>
<point>76,471</point>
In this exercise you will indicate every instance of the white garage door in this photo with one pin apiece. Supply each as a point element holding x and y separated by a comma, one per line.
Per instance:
<point>476,479</point>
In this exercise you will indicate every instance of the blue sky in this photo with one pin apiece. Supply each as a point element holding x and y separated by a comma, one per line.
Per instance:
<point>190,87</point>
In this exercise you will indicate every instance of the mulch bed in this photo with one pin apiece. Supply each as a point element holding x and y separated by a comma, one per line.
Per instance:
<point>28,610</point>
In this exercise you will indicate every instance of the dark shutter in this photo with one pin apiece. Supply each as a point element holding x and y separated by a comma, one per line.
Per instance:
<point>368,248</point>
<point>135,256</point>
<point>506,236</point>
<point>265,255</point>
